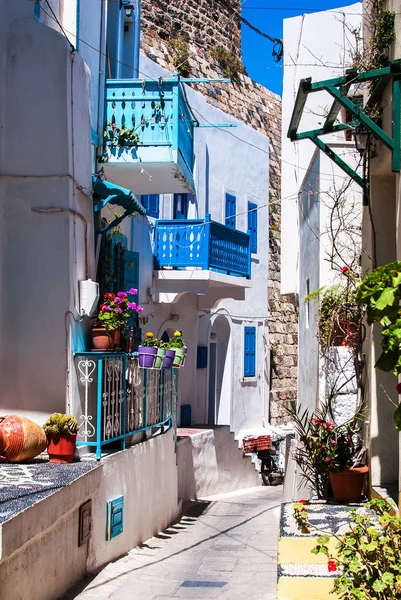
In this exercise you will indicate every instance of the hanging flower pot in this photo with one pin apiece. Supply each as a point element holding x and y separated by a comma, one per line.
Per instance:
<point>104,340</point>
<point>147,356</point>
<point>161,353</point>
<point>168,359</point>
<point>179,357</point>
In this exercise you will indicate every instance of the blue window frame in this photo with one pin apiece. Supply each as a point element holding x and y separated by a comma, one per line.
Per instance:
<point>253,225</point>
<point>231,207</point>
<point>151,203</point>
<point>249,351</point>
<point>180,206</point>
<point>115,517</point>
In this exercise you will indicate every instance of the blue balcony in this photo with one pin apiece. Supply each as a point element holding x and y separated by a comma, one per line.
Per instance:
<point>161,159</point>
<point>200,256</point>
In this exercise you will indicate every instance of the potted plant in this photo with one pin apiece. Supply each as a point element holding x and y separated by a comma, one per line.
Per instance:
<point>147,351</point>
<point>161,354</point>
<point>330,453</point>
<point>177,344</point>
<point>61,432</point>
<point>114,313</point>
<point>367,556</point>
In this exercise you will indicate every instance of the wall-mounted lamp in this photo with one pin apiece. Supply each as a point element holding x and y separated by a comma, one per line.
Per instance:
<point>128,8</point>
<point>175,318</point>
<point>213,335</point>
<point>361,138</point>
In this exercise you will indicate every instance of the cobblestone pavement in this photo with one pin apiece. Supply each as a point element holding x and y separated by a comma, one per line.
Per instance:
<point>225,546</point>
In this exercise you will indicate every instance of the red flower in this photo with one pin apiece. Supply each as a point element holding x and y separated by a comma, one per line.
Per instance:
<point>344,270</point>
<point>398,388</point>
<point>303,502</point>
<point>327,459</point>
<point>332,566</point>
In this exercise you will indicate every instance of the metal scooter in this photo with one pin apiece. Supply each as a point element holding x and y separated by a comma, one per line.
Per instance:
<point>270,471</point>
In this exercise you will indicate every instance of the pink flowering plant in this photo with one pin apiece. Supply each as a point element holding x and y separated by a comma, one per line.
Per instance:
<point>324,447</point>
<point>117,309</point>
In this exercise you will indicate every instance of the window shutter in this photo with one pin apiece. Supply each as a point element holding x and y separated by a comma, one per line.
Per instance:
<point>115,516</point>
<point>151,203</point>
<point>180,206</point>
<point>231,202</point>
<point>249,351</point>
<point>201,358</point>
<point>253,226</point>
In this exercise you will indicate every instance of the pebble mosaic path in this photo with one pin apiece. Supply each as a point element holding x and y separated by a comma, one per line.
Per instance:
<point>302,574</point>
<point>224,547</point>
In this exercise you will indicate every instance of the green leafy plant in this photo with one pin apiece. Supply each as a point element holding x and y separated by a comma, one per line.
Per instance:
<point>117,309</point>
<point>339,316</point>
<point>230,64</point>
<point>163,345</point>
<point>180,55</point>
<point>60,424</point>
<point>177,341</point>
<point>367,556</point>
<point>120,136</point>
<point>149,340</point>
<point>324,446</point>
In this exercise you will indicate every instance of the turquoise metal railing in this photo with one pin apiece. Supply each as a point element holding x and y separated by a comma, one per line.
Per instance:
<point>119,399</point>
<point>204,244</point>
<point>158,113</point>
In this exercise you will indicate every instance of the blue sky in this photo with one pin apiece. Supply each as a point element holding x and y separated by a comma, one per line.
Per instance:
<point>268,15</point>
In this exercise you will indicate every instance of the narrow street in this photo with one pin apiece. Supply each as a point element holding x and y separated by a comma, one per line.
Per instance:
<point>226,545</point>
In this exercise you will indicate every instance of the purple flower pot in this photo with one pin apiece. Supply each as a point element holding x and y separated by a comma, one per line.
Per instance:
<point>147,356</point>
<point>168,359</point>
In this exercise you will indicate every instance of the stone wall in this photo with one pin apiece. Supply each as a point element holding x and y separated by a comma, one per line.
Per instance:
<point>207,24</point>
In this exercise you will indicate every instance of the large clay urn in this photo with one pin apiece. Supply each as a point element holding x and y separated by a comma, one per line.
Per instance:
<point>20,439</point>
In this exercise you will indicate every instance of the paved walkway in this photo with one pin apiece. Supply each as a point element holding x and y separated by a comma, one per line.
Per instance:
<point>224,547</point>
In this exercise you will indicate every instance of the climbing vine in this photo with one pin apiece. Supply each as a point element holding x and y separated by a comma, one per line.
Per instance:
<point>230,65</point>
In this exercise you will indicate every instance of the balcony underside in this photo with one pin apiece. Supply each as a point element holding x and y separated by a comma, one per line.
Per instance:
<point>153,177</point>
<point>169,285</point>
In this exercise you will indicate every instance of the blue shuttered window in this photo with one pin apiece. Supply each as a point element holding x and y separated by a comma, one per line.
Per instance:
<point>151,203</point>
<point>253,226</point>
<point>115,517</point>
<point>180,206</point>
<point>201,357</point>
<point>231,206</point>
<point>249,351</point>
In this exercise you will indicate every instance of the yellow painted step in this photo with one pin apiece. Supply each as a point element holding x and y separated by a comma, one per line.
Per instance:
<point>297,550</point>
<point>305,588</point>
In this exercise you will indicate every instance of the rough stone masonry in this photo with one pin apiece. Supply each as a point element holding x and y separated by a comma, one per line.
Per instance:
<point>201,27</point>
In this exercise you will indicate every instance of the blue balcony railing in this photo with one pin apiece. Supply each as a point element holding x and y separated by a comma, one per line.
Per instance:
<point>204,244</point>
<point>119,399</point>
<point>158,113</point>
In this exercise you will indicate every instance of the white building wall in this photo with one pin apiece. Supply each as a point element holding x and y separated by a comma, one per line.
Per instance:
<point>316,45</point>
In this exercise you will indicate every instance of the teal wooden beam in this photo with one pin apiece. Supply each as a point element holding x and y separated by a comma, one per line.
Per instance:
<point>337,160</point>
<point>336,106</point>
<point>314,132</point>
<point>302,95</point>
<point>396,158</point>
<point>361,116</point>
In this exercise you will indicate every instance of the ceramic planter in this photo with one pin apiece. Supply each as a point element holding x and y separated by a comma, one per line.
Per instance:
<point>105,341</point>
<point>161,353</point>
<point>61,448</point>
<point>147,356</point>
<point>347,484</point>
<point>20,439</point>
<point>179,357</point>
<point>168,359</point>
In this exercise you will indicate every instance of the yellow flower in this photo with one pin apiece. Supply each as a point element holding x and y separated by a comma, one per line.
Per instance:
<point>177,333</point>
<point>149,334</point>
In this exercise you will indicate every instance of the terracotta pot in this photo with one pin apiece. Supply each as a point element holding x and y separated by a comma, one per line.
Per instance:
<point>103,340</point>
<point>345,334</point>
<point>347,484</point>
<point>20,439</point>
<point>147,356</point>
<point>61,448</point>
